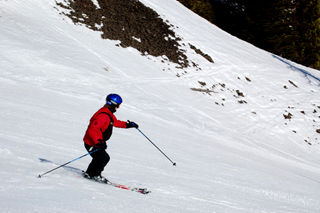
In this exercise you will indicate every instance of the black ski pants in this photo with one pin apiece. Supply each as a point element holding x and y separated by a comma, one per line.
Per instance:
<point>99,160</point>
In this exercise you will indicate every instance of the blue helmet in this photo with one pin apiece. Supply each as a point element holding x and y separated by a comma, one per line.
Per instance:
<point>113,99</point>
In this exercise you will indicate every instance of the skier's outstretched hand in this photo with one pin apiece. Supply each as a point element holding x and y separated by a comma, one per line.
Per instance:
<point>131,124</point>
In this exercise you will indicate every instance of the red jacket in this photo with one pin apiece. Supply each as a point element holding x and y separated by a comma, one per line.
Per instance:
<point>100,126</point>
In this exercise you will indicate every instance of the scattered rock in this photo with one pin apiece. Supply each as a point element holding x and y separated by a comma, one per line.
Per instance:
<point>293,83</point>
<point>288,116</point>
<point>222,85</point>
<point>240,94</point>
<point>202,90</point>
<point>242,102</point>
<point>198,51</point>
<point>308,142</point>
<point>202,83</point>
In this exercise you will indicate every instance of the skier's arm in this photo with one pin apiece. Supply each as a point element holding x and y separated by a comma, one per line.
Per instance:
<point>119,124</point>
<point>123,124</point>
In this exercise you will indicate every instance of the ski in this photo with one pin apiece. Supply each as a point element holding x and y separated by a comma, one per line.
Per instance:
<point>120,186</point>
<point>134,189</point>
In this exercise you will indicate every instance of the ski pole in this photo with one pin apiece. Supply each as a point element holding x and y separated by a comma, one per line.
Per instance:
<point>41,175</point>
<point>173,163</point>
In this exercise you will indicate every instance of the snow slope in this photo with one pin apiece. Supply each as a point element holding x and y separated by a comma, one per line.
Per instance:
<point>231,157</point>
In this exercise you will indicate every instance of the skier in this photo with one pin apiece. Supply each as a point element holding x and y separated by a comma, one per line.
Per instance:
<point>98,132</point>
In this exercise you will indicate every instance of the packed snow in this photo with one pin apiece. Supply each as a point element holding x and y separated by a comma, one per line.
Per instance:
<point>234,149</point>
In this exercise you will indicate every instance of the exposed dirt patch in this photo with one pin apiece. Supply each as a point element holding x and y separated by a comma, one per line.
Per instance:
<point>130,22</point>
<point>198,51</point>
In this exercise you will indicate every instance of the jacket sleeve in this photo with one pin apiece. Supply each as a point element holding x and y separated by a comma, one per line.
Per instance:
<point>118,123</point>
<point>96,128</point>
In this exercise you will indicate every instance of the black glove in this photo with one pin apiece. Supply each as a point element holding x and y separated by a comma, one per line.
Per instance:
<point>131,124</point>
<point>102,145</point>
